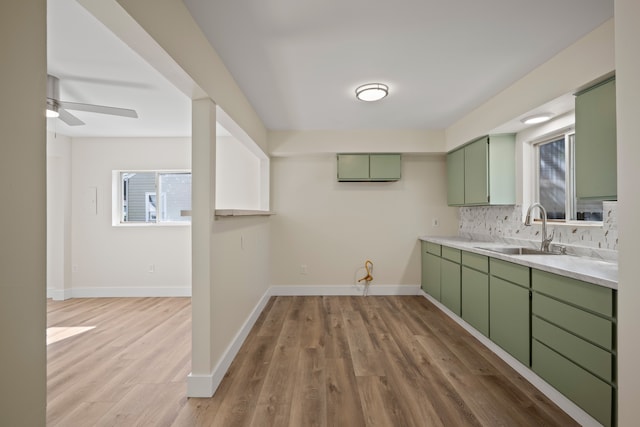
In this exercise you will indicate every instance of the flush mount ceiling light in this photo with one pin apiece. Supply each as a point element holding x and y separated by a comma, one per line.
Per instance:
<point>372,92</point>
<point>537,118</point>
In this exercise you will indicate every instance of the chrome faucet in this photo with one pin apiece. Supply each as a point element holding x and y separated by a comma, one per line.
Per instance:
<point>546,241</point>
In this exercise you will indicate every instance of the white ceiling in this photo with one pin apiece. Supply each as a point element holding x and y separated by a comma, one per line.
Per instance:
<point>299,62</point>
<point>96,67</point>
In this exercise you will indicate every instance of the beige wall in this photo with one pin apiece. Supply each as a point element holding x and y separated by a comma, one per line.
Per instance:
<point>586,60</point>
<point>333,227</point>
<point>292,143</point>
<point>23,214</point>
<point>115,261</point>
<point>628,111</point>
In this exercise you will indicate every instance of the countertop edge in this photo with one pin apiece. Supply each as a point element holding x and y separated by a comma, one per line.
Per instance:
<point>565,265</point>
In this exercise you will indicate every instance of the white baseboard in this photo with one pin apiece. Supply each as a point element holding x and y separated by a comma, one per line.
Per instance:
<point>59,294</point>
<point>339,290</point>
<point>118,292</point>
<point>206,385</point>
<point>545,388</point>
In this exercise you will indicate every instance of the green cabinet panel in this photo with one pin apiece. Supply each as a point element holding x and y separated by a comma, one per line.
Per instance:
<point>475,261</point>
<point>476,172</point>
<point>482,172</point>
<point>369,167</point>
<point>595,329</point>
<point>587,391</point>
<point>353,166</point>
<point>475,298</point>
<point>595,142</point>
<point>451,254</point>
<point>592,358</point>
<point>509,316</point>
<point>384,167</point>
<point>432,275</point>
<point>514,273</point>
<point>450,284</point>
<point>455,177</point>
<point>433,248</point>
<point>586,295</point>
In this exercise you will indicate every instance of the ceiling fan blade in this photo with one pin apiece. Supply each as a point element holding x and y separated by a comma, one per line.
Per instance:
<point>91,108</point>
<point>69,118</point>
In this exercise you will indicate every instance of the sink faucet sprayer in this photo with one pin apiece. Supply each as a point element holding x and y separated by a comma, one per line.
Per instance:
<point>546,241</point>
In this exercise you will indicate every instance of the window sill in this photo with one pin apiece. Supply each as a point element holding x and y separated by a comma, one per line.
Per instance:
<point>241,212</point>
<point>151,224</point>
<point>586,224</point>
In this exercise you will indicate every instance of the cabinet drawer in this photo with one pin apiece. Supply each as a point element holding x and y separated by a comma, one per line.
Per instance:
<point>590,393</point>
<point>475,261</point>
<point>451,254</point>
<point>433,248</point>
<point>587,355</point>
<point>593,328</point>
<point>514,273</point>
<point>592,297</point>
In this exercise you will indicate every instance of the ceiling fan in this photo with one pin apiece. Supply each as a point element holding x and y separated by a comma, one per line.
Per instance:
<point>58,108</point>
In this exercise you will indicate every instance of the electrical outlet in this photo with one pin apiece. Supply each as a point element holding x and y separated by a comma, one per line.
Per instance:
<point>303,269</point>
<point>152,268</point>
<point>435,222</point>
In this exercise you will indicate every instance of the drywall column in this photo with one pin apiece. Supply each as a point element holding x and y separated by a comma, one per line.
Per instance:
<point>23,213</point>
<point>203,169</point>
<point>628,110</point>
<point>58,217</point>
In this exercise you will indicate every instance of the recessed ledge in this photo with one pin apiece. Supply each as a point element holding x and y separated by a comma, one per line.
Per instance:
<point>241,212</point>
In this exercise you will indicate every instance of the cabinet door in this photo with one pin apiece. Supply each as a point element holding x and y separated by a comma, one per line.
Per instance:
<point>353,167</point>
<point>431,274</point>
<point>596,165</point>
<point>384,167</point>
<point>476,172</point>
<point>450,285</point>
<point>509,318</point>
<point>455,178</point>
<point>475,299</point>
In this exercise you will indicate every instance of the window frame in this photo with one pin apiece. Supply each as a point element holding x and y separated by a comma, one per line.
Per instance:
<point>568,134</point>
<point>118,202</point>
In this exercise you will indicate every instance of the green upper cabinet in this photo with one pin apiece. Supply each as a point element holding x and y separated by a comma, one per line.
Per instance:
<point>455,178</point>
<point>595,156</point>
<point>482,172</point>
<point>369,167</point>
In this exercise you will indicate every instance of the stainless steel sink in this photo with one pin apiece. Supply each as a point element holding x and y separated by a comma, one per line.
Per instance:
<point>517,251</point>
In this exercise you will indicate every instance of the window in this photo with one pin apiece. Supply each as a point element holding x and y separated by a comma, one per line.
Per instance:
<point>555,181</point>
<point>154,197</point>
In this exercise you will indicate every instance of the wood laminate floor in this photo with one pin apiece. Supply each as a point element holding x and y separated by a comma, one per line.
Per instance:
<point>308,361</point>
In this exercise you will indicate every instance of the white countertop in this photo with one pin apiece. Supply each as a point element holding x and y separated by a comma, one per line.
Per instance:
<point>599,272</point>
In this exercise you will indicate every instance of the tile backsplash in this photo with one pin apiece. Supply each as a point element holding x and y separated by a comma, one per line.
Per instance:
<point>505,223</point>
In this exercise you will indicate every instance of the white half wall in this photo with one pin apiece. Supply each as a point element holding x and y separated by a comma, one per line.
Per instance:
<point>628,111</point>
<point>324,230</point>
<point>136,260</point>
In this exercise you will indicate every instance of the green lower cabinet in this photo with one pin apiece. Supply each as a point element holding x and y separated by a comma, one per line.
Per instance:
<point>431,274</point>
<point>475,299</point>
<point>509,318</point>
<point>450,285</point>
<point>586,390</point>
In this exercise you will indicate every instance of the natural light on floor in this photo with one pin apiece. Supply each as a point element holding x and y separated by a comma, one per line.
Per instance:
<point>56,334</point>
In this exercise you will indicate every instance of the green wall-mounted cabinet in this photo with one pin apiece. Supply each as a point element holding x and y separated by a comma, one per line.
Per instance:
<point>482,172</point>
<point>595,157</point>
<point>369,167</point>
